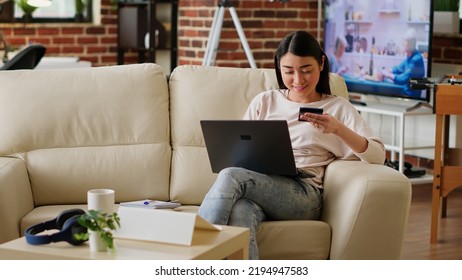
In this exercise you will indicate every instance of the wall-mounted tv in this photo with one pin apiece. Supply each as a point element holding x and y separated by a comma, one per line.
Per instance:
<point>378,45</point>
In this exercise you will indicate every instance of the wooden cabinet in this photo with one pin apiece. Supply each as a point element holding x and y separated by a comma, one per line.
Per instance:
<point>448,160</point>
<point>137,21</point>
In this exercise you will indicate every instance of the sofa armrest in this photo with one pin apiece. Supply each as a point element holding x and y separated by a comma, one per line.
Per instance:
<point>15,197</point>
<point>366,206</point>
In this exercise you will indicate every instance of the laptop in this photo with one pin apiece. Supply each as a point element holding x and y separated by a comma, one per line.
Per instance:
<point>263,146</point>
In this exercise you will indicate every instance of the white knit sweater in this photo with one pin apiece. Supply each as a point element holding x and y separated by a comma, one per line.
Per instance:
<point>314,150</point>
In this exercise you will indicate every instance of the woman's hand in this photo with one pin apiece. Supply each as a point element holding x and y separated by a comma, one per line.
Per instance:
<point>328,124</point>
<point>325,122</point>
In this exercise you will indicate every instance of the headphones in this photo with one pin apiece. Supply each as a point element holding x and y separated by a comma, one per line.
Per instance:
<point>67,224</point>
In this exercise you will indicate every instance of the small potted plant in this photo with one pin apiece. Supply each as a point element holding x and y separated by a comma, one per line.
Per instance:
<point>447,5</point>
<point>100,227</point>
<point>27,9</point>
<point>446,16</point>
<point>80,6</point>
<point>114,3</point>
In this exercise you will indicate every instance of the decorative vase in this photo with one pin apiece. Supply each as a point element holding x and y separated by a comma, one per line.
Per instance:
<point>102,200</point>
<point>96,242</point>
<point>79,17</point>
<point>27,18</point>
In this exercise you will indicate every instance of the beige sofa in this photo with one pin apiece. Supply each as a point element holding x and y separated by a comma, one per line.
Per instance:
<point>63,132</point>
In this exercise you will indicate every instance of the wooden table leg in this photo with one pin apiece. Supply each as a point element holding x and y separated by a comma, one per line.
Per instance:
<point>436,190</point>
<point>241,254</point>
<point>444,206</point>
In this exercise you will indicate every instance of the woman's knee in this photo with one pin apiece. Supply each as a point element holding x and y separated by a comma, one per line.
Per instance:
<point>232,175</point>
<point>246,213</point>
<point>227,184</point>
<point>232,172</point>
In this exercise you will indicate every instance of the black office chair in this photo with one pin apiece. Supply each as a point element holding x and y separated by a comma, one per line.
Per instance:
<point>28,58</point>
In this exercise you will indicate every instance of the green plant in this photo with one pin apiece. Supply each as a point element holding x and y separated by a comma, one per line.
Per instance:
<point>26,8</point>
<point>80,6</point>
<point>446,5</point>
<point>114,3</point>
<point>98,221</point>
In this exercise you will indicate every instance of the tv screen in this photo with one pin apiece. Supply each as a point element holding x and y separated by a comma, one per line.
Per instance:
<point>379,45</point>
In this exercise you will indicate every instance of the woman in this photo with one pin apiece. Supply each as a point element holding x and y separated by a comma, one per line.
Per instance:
<point>241,197</point>
<point>336,58</point>
<point>411,67</point>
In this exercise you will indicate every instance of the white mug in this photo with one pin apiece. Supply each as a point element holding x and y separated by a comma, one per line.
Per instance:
<point>101,199</point>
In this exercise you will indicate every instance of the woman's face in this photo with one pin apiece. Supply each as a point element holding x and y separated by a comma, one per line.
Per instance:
<point>300,75</point>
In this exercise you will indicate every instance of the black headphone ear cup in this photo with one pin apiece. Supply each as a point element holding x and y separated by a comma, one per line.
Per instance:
<point>72,226</point>
<point>67,214</point>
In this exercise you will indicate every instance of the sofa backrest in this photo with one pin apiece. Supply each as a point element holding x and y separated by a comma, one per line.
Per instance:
<point>119,127</point>
<point>78,129</point>
<point>198,93</point>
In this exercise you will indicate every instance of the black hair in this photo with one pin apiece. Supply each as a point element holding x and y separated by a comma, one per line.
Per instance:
<point>302,43</point>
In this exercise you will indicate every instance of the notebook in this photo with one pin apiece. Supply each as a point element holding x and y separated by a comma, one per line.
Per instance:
<point>262,146</point>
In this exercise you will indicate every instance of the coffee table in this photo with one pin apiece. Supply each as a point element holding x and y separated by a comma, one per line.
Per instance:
<point>230,242</point>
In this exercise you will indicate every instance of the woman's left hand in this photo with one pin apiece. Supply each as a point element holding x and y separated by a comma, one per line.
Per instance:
<point>328,124</point>
<point>325,122</point>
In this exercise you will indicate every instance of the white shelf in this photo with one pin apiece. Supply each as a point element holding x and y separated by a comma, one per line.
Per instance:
<point>418,22</point>
<point>399,142</point>
<point>389,11</point>
<point>426,179</point>
<point>354,21</point>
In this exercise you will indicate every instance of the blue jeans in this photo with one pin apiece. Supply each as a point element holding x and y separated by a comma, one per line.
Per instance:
<point>240,197</point>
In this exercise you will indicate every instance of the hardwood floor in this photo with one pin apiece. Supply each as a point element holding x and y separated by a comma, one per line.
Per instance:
<point>417,236</point>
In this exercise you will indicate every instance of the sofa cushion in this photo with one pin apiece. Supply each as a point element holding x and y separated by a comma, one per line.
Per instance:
<point>290,240</point>
<point>309,240</point>
<point>195,96</point>
<point>81,132</point>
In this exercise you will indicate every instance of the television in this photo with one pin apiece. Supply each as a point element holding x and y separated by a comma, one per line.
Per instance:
<point>377,46</point>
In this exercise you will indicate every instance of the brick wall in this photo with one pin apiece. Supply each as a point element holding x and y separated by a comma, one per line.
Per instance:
<point>447,48</point>
<point>96,44</point>
<point>264,23</point>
